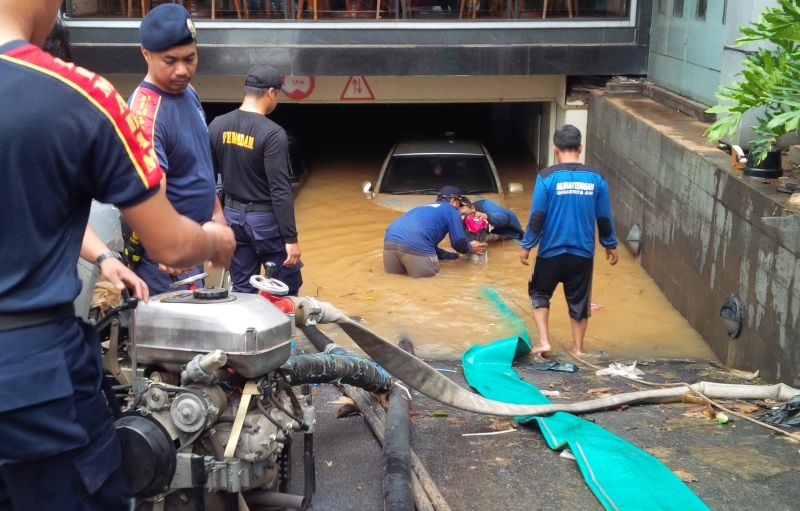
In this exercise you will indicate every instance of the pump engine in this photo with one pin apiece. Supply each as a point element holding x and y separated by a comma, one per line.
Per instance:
<point>209,416</point>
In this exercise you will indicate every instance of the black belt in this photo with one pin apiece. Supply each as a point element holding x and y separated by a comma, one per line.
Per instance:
<point>11,321</point>
<point>248,206</point>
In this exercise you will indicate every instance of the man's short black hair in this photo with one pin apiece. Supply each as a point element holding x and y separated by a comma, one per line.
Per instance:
<point>57,43</point>
<point>567,138</point>
<point>254,91</point>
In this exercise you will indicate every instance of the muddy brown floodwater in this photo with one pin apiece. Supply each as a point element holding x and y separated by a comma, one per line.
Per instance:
<point>341,238</point>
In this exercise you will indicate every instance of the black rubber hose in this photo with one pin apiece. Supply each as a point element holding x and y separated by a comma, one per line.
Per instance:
<point>397,492</point>
<point>321,341</point>
<point>327,368</point>
<point>274,499</point>
<point>309,467</point>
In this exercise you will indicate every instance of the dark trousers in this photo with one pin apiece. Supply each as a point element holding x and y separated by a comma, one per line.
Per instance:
<point>574,272</point>
<point>258,241</point>
<point>58,449</point>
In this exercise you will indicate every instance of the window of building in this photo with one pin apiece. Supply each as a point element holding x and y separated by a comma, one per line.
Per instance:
<point>677,9</point>
<point>702,5</point>
<point>367,11</point>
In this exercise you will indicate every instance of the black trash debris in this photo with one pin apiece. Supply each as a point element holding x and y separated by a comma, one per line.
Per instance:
<point>789,188</point>
<point>786,415</point>
<point>555,365</point>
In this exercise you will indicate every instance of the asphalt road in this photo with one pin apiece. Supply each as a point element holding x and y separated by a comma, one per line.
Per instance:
<point>735,466</point>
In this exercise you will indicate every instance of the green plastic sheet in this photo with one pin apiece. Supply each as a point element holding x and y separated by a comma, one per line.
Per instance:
<point>621,475</point>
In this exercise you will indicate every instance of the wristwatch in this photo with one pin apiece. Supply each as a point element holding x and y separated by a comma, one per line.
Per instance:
<point>108,254</point>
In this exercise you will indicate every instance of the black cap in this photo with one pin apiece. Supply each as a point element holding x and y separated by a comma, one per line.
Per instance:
<point>166,26</point>
<point>450,192</point>
<point>264,76</point>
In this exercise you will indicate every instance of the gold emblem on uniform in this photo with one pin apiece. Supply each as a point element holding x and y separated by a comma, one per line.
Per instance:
<point>190,26</point>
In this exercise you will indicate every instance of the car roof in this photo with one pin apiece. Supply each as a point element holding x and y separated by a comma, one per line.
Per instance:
<point>438,146</point>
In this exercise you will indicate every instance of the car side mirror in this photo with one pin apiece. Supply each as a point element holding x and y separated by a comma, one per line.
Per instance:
<point>366,187</point>
<point>515,188</point>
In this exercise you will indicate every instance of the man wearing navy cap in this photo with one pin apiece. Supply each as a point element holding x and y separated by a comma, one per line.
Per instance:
<point>411,242</point>
<point>58,446</point>
<point>170,112</point>
<point>250,151</point>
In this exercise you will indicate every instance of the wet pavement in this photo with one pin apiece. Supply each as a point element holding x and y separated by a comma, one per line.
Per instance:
<point>734,466</point>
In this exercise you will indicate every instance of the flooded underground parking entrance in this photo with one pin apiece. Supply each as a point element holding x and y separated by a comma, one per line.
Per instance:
<point>341,233</point>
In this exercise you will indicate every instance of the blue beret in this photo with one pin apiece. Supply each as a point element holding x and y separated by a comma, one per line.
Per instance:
<point>166,26</point>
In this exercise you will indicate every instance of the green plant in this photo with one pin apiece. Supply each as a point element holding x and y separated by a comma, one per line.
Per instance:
<point>770,80</point>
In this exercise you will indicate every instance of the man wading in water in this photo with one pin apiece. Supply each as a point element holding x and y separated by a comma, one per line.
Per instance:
<point>568,200</point>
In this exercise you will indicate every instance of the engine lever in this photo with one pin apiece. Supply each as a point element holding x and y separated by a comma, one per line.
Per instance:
<point>128,299</point>
<point>128,303</point>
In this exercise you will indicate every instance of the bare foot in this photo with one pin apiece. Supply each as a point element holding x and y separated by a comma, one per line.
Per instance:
<point>543,350</point>
<point>577,353</point>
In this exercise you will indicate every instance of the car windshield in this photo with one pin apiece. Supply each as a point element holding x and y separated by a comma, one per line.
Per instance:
<point>426,174</point>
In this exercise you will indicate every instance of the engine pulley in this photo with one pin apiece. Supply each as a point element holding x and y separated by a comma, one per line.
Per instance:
<point>188,412</point>
<point>148,454</point>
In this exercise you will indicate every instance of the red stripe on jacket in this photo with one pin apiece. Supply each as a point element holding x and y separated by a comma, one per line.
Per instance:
<point>100,93</point>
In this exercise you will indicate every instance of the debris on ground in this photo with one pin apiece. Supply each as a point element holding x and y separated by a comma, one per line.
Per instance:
<point>744,408</point>
<point>503,424</point>
<point>686,477</point>
<point>555,365</point>
<point>619,369</point>
<point>599,392</point>
<point>786,415</point>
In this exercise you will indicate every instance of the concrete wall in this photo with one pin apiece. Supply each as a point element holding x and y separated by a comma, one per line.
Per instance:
<point>707,232</point>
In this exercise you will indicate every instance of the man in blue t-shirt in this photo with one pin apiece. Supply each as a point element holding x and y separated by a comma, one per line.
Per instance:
<point>59,449</point>
<point>568,200</point>
<point>170,112</point>
<point>411,242</point>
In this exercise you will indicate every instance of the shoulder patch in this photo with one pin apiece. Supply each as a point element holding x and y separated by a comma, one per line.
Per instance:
<point>144,105</point>
<point>101,94</point>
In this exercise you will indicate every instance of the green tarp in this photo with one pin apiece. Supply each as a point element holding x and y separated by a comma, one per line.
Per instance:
<point>621,475</point>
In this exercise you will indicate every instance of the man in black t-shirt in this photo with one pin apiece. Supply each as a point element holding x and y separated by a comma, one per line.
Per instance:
<point>251,153</point>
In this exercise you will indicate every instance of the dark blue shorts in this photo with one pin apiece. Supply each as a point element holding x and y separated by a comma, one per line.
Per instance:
<point>59,449</point>
<point>258,241</point>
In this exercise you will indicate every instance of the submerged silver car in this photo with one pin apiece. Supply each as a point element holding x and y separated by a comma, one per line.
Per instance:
<point>415,170</point>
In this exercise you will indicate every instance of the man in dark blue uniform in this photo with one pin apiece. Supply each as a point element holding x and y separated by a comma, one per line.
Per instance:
<point>503,221</point>
<point>251,153</point>
<point>59,449</point>
<point>170,112</point>
<point>411,242</point>
<point>569,199</point>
